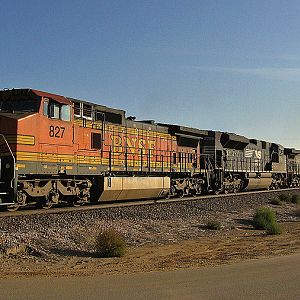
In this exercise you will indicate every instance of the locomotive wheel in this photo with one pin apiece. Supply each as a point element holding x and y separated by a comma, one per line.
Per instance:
<point>172,191</point>
<point>47,204</point>
<point>180,194</point>
<point>236,189</point>
<point>199,190</point>
<point>217,192</point>
<point>50,199</point>
<point>186,191</point>
<point>167,196</point>
<point>21,201</point>
<point>194,193</point>
<point>13,207</point>
<point>75,203</point>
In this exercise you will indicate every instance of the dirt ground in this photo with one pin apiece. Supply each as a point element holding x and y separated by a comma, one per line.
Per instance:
<point>219,247</point>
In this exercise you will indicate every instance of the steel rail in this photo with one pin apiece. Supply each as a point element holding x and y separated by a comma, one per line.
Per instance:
<point>66,209</point>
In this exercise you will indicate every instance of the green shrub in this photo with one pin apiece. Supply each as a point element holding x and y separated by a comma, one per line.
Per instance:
<point>263,218</point>
<point>285,197</point>
<point>110,243</point>
<point>276,201</point>
<point>295,198</point>
<point>213,225</point>
<point>274,228</point>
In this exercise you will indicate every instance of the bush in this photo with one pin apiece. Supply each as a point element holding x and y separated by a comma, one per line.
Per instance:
<point>110,243</point>
<point>285,197</point>
<point>213,225</point>
<point>263,218</point>
<point>295,198</point>
<point>276,201</point>
<point>273,229</point>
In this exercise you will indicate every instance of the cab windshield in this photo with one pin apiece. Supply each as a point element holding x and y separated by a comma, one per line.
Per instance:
<point>19,106</point>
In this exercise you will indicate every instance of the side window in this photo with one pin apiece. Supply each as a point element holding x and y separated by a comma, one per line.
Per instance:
<point>46,107</point>
<point>96,140</point>
<point>57,111</point>
<point>99,116</point>
<point>65,112</point>
<point>54,110</point>
<point>76,109</point>
<point>87,111</point>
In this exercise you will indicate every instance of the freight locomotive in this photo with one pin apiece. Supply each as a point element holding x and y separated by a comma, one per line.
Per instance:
<point>57,149</point>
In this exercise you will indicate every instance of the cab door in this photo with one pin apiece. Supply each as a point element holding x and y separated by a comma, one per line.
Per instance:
<point>56,138</point>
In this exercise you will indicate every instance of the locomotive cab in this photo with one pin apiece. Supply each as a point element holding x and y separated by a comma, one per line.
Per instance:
<point>35,127</point>
<point>15,106</point>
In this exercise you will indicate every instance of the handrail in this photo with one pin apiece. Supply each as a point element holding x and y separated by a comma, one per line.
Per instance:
<point>144,159</point>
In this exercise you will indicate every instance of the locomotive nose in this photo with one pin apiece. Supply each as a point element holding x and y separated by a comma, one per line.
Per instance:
<point>7,171</point>
<point>8,137</point>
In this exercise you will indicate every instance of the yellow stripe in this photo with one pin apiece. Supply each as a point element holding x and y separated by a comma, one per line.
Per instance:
<point>88,123</point>
<point>121,129</point>
<point>81,159</point>
<point>20,139</point>
<point>19,166</point>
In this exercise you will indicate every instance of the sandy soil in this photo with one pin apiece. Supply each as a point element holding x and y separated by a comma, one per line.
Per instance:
<point>225,246</point>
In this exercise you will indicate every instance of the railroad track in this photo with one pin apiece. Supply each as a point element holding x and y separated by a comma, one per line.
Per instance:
<point>62,209</point>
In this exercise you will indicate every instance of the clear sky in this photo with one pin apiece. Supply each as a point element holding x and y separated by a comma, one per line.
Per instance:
<point>222,65</point>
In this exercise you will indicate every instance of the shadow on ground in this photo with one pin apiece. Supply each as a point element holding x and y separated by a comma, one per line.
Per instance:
<point>72,252</point>
<point>245,224</point>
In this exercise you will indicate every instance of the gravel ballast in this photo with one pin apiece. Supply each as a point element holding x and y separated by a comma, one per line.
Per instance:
<point>162,223</point>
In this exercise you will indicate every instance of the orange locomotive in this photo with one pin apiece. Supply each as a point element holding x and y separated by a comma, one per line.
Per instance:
<point>57,149</point>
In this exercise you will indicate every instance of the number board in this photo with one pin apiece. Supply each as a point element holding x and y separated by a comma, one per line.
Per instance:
<point>56,131</point>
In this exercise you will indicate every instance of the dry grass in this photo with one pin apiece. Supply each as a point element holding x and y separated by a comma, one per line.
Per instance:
<point>213,225</point>
<point>295,199</point>
<point>110,243</point>
<point>276,201</point>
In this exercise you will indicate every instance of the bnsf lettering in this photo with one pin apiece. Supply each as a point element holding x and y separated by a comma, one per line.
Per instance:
<point>56,131</point>
<point>132,144</point>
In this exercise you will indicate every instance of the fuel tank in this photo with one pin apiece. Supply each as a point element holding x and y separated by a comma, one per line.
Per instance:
<point>123,188</point>
<point>258,181</point>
